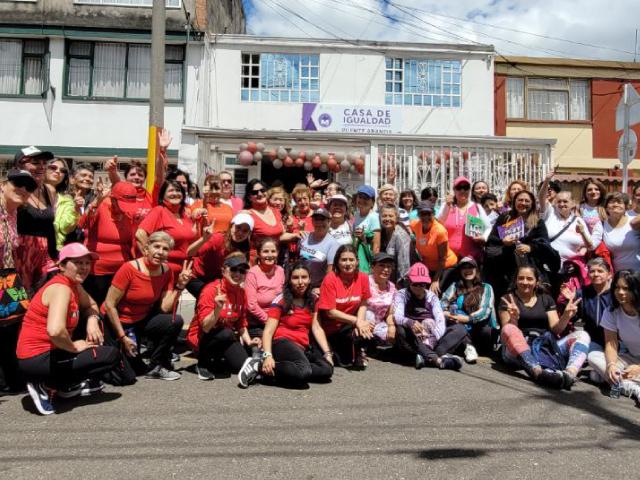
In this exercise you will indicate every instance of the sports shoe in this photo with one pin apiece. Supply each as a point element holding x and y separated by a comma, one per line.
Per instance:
<point>161,373</point>
<point>175,358</point>
<point>70,391</point>
<point>91,386</point>
<point>631,390</point>
<point>204,373</point>
<point>568,380</point>
<point>361,361</point>
<point>419,361</point>
<point>41,397</point>
<point>550,378</point>
<point>470,354</point>
<point>450,362</point>
<point>249,371</point>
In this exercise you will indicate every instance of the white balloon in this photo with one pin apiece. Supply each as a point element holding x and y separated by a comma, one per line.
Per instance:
<point>257,156</point>
<point>243,146</point>
<point>324,157</point>
<point>353,169</point>
<point>277,164</point>
<point>340,156</point>
<point>308,166</point>
<point>294,154</point>
<point>281,153</point>
<point>324,168</point>
<point>260,146</point>
<point>345,165</point>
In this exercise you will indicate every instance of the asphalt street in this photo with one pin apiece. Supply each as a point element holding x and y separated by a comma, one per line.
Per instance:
<point>387,422</point>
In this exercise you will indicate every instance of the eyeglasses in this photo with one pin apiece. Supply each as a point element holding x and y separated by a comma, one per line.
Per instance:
<point>56,168</point>
<point>464,186</point>
<point>227,181</point>
<point>259,191</point>
<point>240,270</point>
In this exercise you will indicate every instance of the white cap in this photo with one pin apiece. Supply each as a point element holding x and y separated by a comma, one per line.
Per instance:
<point>242,218</point>
<point>338,197</point>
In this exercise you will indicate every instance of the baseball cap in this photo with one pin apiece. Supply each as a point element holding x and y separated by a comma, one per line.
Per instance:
<point>382,257</point>
<point>425,207</point>
<point>236,261</point>
<point>419,273</point>
<point>126,195</point>
<point>468,261</point>
<point>22,178</point>
<point>241,218</point>
<point>338,197</point>
<point>75,250</point>
<point>461,180</point>
<point>30,152</point>
<point>321,212</point>
<point>367,190</point>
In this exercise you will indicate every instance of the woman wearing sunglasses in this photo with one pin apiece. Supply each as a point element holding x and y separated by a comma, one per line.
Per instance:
<point>465,240</point>
<point>219,326</point>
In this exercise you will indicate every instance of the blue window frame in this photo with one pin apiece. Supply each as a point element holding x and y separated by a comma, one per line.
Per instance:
<point>280,77</point>
<point>434,83</point>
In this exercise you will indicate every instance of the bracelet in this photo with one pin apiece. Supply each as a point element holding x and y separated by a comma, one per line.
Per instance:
<point>121,337</point>
<point>328,352</point>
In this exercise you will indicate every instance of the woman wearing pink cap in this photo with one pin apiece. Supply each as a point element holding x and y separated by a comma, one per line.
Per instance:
<point>421,331</point>
<point>459,210</point>
<point>48,357</point>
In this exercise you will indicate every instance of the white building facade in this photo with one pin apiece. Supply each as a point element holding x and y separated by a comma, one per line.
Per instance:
<point>416,114</point>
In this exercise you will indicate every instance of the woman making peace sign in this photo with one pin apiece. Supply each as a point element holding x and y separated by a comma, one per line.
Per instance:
<point>136,288</point>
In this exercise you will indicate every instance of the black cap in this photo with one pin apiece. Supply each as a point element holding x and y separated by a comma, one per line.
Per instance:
<point>321,212</point>
<point>31,152</point>
<point>425,207</point>
<point>236,261</point>
<point>22,178</point>
<point>382,257</point>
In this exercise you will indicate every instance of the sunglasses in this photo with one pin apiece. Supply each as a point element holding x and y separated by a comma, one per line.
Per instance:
<point>259,191</point>
<point>463,187</point>
<point>240,270</point>
<point>420,285</point>
<point>226,181</point>
<point>33,161</point>
<point>56,168</point>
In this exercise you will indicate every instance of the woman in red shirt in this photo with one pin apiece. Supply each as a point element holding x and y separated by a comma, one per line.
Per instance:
<point>207,264</point>
<point>343,306</point>
<point>47,356</point>
<point>171,216</point>
<point>136,289</point>
<point>110,229</point>
<point>219,326</point>
<point>288,353</point>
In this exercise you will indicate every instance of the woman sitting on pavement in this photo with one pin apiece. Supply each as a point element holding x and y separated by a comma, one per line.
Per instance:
<point>219,326</point>
<point>289,355</point>
<point>421,332</point>
<point>470,302</point>
<point>263,283</point>
<point>207,264</point>
<point>395,240</point>
<point>342,308</point>
<point>136,288</point>
<point>533,334</point>
<point>47,356</point>
<point>621,324</point>
<point>380,304</point>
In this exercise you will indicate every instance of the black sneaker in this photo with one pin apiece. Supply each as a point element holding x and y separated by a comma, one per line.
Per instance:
<point>419,361</point>
<point>41,396</point>
<point>568,380</point>
<point>90,387</point>
<point>550,378</point>
<point>249,371</point>
<point>70,391</point>
<point>450,362</point>
<point>204,373</point>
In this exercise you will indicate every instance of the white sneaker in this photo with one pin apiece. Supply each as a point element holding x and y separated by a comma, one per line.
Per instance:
<point>470,354</point>
<point>631,390</point>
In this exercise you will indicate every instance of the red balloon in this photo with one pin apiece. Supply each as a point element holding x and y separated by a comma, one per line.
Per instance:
<point>359,163</point>
<point>302,155</point>
<point>447,154</point>
<point>360,169</point>
<point>252,147</point>
<point>465,155</point>
<point>299,162</point>
<point>332,163</point>
<point>288,162</point>
<point>316,162</point>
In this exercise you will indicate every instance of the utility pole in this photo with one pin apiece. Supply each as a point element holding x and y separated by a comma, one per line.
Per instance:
<point>156,95</point>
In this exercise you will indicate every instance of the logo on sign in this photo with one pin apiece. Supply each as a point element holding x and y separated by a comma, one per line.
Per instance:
<point>324,120</point>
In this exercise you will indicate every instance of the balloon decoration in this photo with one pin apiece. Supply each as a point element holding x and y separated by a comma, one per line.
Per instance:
<point>251,153</point>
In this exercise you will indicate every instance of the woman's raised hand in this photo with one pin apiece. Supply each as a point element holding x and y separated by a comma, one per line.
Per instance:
<point>185,274</point>
<point>512,307</point>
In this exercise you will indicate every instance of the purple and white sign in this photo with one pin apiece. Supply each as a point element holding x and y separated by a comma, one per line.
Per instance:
<point>351,118</point>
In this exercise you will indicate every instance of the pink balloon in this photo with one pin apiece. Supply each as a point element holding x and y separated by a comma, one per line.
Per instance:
<point>245,158</point>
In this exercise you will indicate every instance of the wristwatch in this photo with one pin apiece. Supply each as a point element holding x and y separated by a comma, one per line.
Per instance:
<point>266,355</point>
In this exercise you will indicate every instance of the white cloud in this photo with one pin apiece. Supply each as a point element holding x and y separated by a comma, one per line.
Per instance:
<point>609,26</point>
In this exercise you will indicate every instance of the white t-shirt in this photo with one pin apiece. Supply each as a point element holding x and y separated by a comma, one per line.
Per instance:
<point>570,241</point>
<point>342,234</point>
<point>628,328</point>
<point>624,244</point>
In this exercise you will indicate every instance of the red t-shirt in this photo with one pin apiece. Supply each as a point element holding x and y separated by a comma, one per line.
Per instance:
<point>293,325</point>
<point>141,291</point>
<point>308,223</point>
<point>207,264</point>
<point>145,204</point>
<point>34,339</point>
<point>160,218</point>
<point>112,240</point>
<point>232,315</point>
<point>334,294</point>
<point>262,229</point>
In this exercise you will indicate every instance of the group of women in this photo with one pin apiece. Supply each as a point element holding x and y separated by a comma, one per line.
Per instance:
<point>290,287</point>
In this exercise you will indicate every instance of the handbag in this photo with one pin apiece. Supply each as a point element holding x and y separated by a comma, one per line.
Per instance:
<point>14,298</point>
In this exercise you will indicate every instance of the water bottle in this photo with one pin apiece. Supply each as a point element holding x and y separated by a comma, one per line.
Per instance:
<point>131,333</point>
<point>614,392</point>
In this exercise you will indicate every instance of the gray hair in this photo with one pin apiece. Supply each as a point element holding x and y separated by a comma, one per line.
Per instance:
<point>161,236</point>
<point>599,262</point>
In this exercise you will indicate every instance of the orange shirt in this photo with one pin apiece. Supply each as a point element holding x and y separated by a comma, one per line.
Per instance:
<point>219,215</point>
<point>427,245</point>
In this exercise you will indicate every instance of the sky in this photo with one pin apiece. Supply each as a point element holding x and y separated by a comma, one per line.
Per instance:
<point>590,29</point>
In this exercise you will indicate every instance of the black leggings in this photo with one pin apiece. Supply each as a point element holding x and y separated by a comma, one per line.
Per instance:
<point>345,345</point>
<point>298,366</point>
<point>161,332</point>
<point>60,369</point>
<point>221,343</point>
<point>8,360</point>
<point>408,345</point>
